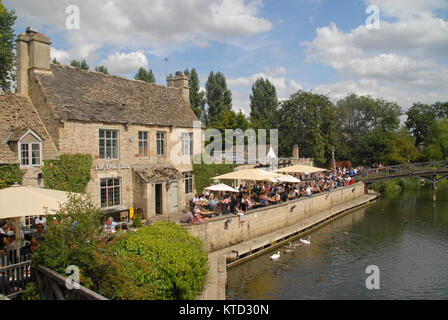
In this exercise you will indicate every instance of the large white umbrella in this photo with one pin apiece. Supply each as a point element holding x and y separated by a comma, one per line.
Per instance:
<point>249,175</point>
<point>300,169</point>
<point>288,178</point>
<point>221,187</point>
<point>17,201</point>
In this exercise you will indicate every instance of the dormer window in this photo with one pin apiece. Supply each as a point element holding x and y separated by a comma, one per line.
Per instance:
<point>30,150</point>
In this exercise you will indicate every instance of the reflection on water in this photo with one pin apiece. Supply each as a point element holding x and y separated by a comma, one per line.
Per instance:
<point>405,235</point>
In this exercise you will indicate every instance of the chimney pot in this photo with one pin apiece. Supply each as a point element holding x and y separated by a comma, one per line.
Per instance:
<point>32,30</point>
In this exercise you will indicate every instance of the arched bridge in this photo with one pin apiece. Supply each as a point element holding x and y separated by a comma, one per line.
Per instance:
<point>433,172</point>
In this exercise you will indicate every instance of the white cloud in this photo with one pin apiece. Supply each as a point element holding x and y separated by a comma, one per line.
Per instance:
<point>277,76</point>
<point>123,63</point>
<point>399,61</point>
<point>61,56</point>
<point>157,25</point>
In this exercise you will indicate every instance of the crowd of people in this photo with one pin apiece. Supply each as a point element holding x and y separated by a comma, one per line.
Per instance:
<point>29,240</point>
<point>25,243</point>
<point>262,194</point>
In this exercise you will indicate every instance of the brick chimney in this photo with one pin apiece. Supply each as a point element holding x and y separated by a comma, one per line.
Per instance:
<point>182,82</point>
<point>33,54</point>
<point>295,152</point>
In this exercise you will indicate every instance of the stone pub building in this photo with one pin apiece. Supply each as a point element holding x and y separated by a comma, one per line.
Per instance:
<point>136,132</point>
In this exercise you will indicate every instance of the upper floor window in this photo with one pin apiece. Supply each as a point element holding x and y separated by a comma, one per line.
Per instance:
<point>143,144</point>
<point>187,144</point>
<point>109,144</point>
<point>30,150</point>
<point>161,143</point>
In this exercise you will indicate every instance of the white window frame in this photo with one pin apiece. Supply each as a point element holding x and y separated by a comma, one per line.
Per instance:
<point>142,155</point>
<point>189,177</point>
<point>164,144</point>
<point>107,188</point>
<point>104,138</point>
<point>187,144</point>
<point>30,150</point>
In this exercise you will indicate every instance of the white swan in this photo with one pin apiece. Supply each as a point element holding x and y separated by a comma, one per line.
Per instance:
<point>275,256</point>
<point>307,242</point>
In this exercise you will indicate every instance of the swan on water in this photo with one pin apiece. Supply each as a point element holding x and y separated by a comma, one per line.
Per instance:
<point>307,242</point>
<point>275,256</point>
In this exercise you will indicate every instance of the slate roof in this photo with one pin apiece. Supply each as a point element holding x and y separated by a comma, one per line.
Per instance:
<point>18,115</point>
<point>91,96</point>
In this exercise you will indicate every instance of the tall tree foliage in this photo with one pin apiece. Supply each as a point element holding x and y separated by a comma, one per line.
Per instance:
<point>219,98</point>
<point>263,105</point>
<point>436,142</point>
<point>420,118</point>
<point>400,148</point>
<point>364,124</point>
<point>7,46</point>
<point>308,120</point>
<point>102,69</point>
<point>147,76</point>
<point>80,64</point>
<point>197,97</point>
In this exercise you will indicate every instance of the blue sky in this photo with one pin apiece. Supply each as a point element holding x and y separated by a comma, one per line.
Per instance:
<point>319,45</point>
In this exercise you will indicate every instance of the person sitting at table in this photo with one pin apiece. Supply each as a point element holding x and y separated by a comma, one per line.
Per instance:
<point>202,198</point>
<point>226,205</point>
<point>212,203</point>
<point>109,226</point>
<point>239,211</point>
<point>309,191</point>
<point>247,203</point>
<point>276,199</point>
<point>263,199</point>
<point>195,199</point>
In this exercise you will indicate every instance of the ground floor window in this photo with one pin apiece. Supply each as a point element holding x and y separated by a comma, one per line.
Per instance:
<point>188,182</point>
<point>110,192</point>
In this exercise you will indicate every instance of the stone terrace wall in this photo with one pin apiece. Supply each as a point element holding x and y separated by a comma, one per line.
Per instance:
<point>270,219</point>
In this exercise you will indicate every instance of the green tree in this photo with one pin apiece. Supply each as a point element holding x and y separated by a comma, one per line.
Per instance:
<point>361,119</point>
<point>80,64</point>
<point>219,98</point>
<point>197,97</point>
<point>54,61</point>
<point>401,148</point>
<point>263,105</point>
<point>420,118</point>
<point>308,120</point>
<point>436,142</point>
<point>143,75</point>
<point>102,69</point>
<point>7,47</point>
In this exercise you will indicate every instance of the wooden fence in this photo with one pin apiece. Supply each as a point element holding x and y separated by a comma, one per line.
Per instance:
<point>14,278</point>
<point>52,286</point>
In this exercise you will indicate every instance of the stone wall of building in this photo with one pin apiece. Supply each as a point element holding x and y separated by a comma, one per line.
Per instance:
<point>81,137</point>
<point>228,230</point>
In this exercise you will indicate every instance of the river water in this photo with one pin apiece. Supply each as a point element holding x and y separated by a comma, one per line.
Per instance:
<point>405,235</point>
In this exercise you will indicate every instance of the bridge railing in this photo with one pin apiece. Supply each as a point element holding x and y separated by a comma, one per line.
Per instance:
<point>403,170</point>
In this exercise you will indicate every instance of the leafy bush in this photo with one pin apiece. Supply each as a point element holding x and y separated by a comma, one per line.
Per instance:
<point>73,238</point>
<point>137,221</point>
<point>204,172</point>
<point>69,173</point>
<point>10,174</point>
<point>162,261</point>
<point>31,292</point>
<point>178,260</point>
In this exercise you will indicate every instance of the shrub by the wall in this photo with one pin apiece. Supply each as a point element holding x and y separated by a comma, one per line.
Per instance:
<point>10,174</point>
<point>179,263</point>
<point>71,172</point>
